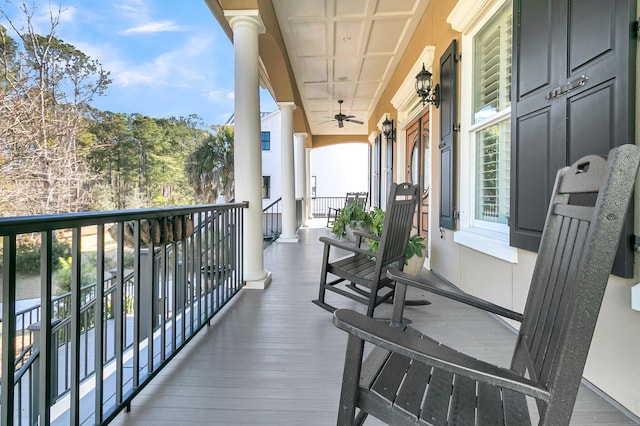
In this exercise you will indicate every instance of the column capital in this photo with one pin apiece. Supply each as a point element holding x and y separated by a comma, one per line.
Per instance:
<point>301,135</point>
<point>286,105</point>
<point>245,17</point>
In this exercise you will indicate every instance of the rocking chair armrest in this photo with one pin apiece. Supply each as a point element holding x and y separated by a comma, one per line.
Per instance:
<point>363,234</point>
<point>433,353</point>
<point>346,246</point>
<point>452,293</point>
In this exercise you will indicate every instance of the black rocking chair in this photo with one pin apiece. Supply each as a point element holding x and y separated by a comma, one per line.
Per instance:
<point>366,271</point>
<point>351,197</point>
<point>409,378</point>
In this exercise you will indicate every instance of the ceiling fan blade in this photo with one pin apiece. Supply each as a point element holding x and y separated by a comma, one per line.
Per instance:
<point>353,121</point>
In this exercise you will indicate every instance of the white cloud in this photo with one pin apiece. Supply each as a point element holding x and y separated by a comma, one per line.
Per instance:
<point>135,10</point>
<point>214,95</point>
<point>231,95</point>
<point>180,67</point>
<point>68,15</point>
<point>156,27</point>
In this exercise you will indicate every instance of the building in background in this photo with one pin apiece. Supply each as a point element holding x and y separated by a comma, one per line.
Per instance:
<point>335,169</point>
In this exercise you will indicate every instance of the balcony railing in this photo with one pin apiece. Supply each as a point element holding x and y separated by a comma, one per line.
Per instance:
<point>320,205</point>
<point>272,221</point>
<point>81,356</point>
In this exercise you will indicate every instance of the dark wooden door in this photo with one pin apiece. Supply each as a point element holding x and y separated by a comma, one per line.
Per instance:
<point>573,94</point>
<point>418,169</point>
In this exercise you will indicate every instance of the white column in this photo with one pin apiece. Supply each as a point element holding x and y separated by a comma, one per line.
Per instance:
<point>307,160</point>
<point>288,194</point>
<point>246,25</point>
<point>301,172</point>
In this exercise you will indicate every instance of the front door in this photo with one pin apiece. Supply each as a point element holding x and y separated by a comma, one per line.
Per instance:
<point>418,169</point>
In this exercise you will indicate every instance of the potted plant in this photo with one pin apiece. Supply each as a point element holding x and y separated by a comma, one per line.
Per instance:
<point>415,254</point>
<point>352,216</point>
<point>416,247</point>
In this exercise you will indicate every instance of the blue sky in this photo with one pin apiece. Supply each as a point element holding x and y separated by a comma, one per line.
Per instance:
<point>166,57</point>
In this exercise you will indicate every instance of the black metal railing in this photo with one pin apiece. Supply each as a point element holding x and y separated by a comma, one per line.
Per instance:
<point>272,221</point>
<point>80,357</point>
<point>320,205</point>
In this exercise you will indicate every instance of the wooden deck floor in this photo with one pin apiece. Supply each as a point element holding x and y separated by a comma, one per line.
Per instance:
<point>273,358</point>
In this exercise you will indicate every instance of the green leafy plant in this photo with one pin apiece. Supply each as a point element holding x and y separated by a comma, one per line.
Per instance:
<point>28,255</point>
<point>415,247</point>
<point>354,215</point>
<point>377,221</point>
<point>87,273</point>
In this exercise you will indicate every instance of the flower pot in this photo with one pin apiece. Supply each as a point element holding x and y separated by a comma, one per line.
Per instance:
<point>414,264</point>
<point>349,231</point>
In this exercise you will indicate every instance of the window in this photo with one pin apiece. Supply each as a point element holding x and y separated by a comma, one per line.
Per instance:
<point>265,141</point>
<point>313,187</point>
<point>266,186</point>
<point>485,138</point>
<point>490,129</point>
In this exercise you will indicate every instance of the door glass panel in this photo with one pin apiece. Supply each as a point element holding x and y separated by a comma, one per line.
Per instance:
<point>426,158</point>
<point>415,165</point>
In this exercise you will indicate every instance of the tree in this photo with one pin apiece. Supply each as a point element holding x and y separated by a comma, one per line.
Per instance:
<point>47,86</point>
<point>140,161</point>
<point>210,166</point>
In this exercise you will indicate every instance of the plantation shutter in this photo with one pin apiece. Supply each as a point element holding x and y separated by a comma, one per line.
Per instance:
<point>448,86</point>
<point>492,94</point>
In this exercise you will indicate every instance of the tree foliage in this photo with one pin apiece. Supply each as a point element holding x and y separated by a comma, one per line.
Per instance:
<point>58,154</point>
<point>46,87</point>
<point>210,166</point>
<point>140,160</point>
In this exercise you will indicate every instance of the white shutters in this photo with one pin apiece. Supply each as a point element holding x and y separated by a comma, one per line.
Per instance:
<point>491,118</point>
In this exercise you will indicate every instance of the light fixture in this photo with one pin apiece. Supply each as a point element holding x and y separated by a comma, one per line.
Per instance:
<point>387,129</point>
<point>423,88</point>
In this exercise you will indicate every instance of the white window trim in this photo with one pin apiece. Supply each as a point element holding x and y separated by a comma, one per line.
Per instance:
<point>494,242</point>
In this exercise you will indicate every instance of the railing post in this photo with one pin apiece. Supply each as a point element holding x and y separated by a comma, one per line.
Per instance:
<point>180,287</point>
<point>147,299</point>
<point>34,328</point>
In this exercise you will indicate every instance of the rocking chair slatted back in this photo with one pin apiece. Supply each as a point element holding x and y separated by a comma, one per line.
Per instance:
<point>397,223</point>
<point>350,197</point>
<point>571,272</point>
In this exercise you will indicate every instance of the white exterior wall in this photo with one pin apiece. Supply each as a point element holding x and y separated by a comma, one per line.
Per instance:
<point>271,159</point>
<point>340,169</point>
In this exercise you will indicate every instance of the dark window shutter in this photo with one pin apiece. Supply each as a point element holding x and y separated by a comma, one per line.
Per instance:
<point>447,146</point>
<point>558,116</point>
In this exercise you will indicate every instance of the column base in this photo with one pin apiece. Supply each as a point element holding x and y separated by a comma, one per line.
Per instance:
<point>259,284</point>
<point>286,239</point>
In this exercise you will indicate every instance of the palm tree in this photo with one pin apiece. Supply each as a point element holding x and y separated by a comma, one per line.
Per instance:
<point>210,166</point>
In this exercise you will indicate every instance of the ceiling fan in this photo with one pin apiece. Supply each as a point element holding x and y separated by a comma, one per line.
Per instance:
<point>341,118</point>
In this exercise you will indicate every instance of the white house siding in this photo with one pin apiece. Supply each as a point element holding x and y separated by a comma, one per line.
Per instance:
<point>272,159</point>
<point>340,168</point>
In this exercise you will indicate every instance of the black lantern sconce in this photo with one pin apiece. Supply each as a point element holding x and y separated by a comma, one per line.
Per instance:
<point>388,130</point>
<point>423,88</point>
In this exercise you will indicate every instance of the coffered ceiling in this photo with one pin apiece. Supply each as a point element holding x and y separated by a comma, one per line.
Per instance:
<point>344,49</point>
